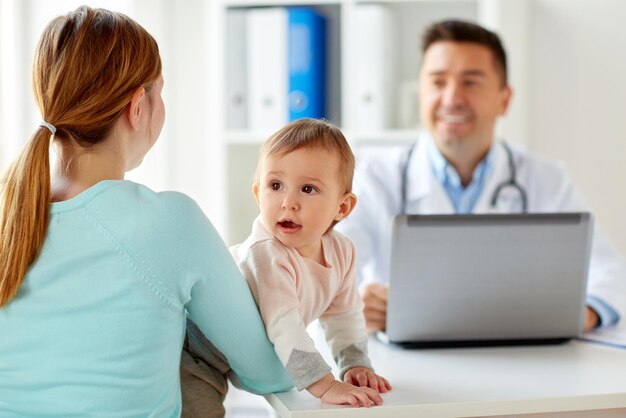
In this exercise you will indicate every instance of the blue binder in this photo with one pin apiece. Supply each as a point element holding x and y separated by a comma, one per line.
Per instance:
<point>306,54</point>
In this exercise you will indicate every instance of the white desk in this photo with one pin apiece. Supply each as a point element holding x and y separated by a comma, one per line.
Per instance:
<point>474,382</point>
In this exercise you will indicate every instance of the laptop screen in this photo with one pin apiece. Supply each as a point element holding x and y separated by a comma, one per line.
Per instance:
<point>488,277</point>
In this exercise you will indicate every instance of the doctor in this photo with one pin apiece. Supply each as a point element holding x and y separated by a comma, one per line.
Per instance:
<point>458,167</point>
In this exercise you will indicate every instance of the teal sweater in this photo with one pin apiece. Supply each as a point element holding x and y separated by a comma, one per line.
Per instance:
<point>97,326</point>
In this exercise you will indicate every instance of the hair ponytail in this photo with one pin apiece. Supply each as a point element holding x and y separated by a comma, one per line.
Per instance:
<point>84,102</point>
<point>25,201</point>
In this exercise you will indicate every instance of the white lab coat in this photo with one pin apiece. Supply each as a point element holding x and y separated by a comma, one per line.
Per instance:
<point>378,188</point>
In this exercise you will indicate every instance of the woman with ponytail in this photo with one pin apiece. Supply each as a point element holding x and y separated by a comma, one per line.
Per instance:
<point>97,274</point>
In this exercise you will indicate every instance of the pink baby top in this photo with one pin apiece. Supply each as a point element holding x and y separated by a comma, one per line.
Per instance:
<point>292,291</point>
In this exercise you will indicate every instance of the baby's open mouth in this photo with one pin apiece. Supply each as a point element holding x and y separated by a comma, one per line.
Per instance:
<point>288,224</point>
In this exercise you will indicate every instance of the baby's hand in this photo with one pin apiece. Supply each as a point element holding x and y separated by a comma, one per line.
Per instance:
<point>362,376</point>
<point>340,393</point>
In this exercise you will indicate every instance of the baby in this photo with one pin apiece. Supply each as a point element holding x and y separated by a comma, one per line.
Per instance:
<point>300,270</point>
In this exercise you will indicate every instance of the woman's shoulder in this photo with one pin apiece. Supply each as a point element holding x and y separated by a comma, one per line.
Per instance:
<point>166,231</point>
<point>138,213</point>
<point>138,193</point>
<point>129,199</point>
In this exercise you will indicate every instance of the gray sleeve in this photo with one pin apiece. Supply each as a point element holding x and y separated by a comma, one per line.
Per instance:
<point>353,356</point>
<point>306,368</point>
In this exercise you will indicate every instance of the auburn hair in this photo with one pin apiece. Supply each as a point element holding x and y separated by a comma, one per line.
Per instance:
<point>87,66</point>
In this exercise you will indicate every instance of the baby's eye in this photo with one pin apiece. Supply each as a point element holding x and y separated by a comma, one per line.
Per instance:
<point>308,189</point>
<point>275,185</point>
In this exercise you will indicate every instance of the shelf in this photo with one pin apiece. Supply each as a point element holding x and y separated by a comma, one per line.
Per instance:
<point>429,2</point>
<point>352,81</point>
<point>237,81</point>
<point>392,136</point>
<point>273,3</point>
<point>279,3</point>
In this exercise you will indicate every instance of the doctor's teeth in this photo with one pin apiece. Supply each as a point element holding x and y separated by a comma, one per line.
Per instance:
<point>454,118</point>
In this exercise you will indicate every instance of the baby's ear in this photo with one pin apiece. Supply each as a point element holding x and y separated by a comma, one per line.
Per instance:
<point>348,202</point>
<point>255,192</point>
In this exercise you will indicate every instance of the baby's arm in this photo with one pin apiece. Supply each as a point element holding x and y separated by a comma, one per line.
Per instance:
<point>347,338</point>
<point>304,367</point>
<point>346,333</point>
<point>272,278</point>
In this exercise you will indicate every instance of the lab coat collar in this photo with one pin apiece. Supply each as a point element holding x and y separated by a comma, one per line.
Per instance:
<point>425,189</point>
<point>425,194</point>
<point>420,177</point>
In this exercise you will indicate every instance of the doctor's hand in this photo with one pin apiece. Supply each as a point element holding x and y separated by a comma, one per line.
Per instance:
<point>591,319</point>
<point>374,297</point>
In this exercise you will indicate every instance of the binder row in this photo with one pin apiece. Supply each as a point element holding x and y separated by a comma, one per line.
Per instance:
<point>275,66</point>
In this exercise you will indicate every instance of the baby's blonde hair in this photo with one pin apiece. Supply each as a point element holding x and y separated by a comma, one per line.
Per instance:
<point>310,133</point>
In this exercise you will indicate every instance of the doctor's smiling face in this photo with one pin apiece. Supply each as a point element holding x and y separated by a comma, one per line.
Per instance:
<point>462,93</point>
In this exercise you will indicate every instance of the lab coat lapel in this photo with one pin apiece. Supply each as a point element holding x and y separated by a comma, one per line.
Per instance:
<point>425,195</point>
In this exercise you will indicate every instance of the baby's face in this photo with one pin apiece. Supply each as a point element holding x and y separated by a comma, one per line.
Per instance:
<point>300,194</point>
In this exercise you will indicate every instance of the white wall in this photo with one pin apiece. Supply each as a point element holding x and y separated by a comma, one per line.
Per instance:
<point>578,99</point>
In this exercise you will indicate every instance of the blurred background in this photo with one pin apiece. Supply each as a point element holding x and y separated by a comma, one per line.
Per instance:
<point>567,70</point>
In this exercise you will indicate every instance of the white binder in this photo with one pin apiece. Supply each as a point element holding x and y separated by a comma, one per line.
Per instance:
<point>373,100</point>
<point>236,94</point>
<point>268,79</point>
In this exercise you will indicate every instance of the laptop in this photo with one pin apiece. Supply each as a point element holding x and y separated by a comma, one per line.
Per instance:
<point>497,279</point>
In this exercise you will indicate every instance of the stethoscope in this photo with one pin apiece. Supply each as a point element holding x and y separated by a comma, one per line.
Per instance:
<point>511,182</point>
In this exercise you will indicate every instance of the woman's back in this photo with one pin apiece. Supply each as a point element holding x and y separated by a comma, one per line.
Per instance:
<point>96,328</point>
<point>100,317</point>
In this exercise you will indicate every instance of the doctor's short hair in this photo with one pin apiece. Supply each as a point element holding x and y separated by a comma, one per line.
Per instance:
<point>310,133</point>
<point>463,31</point>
